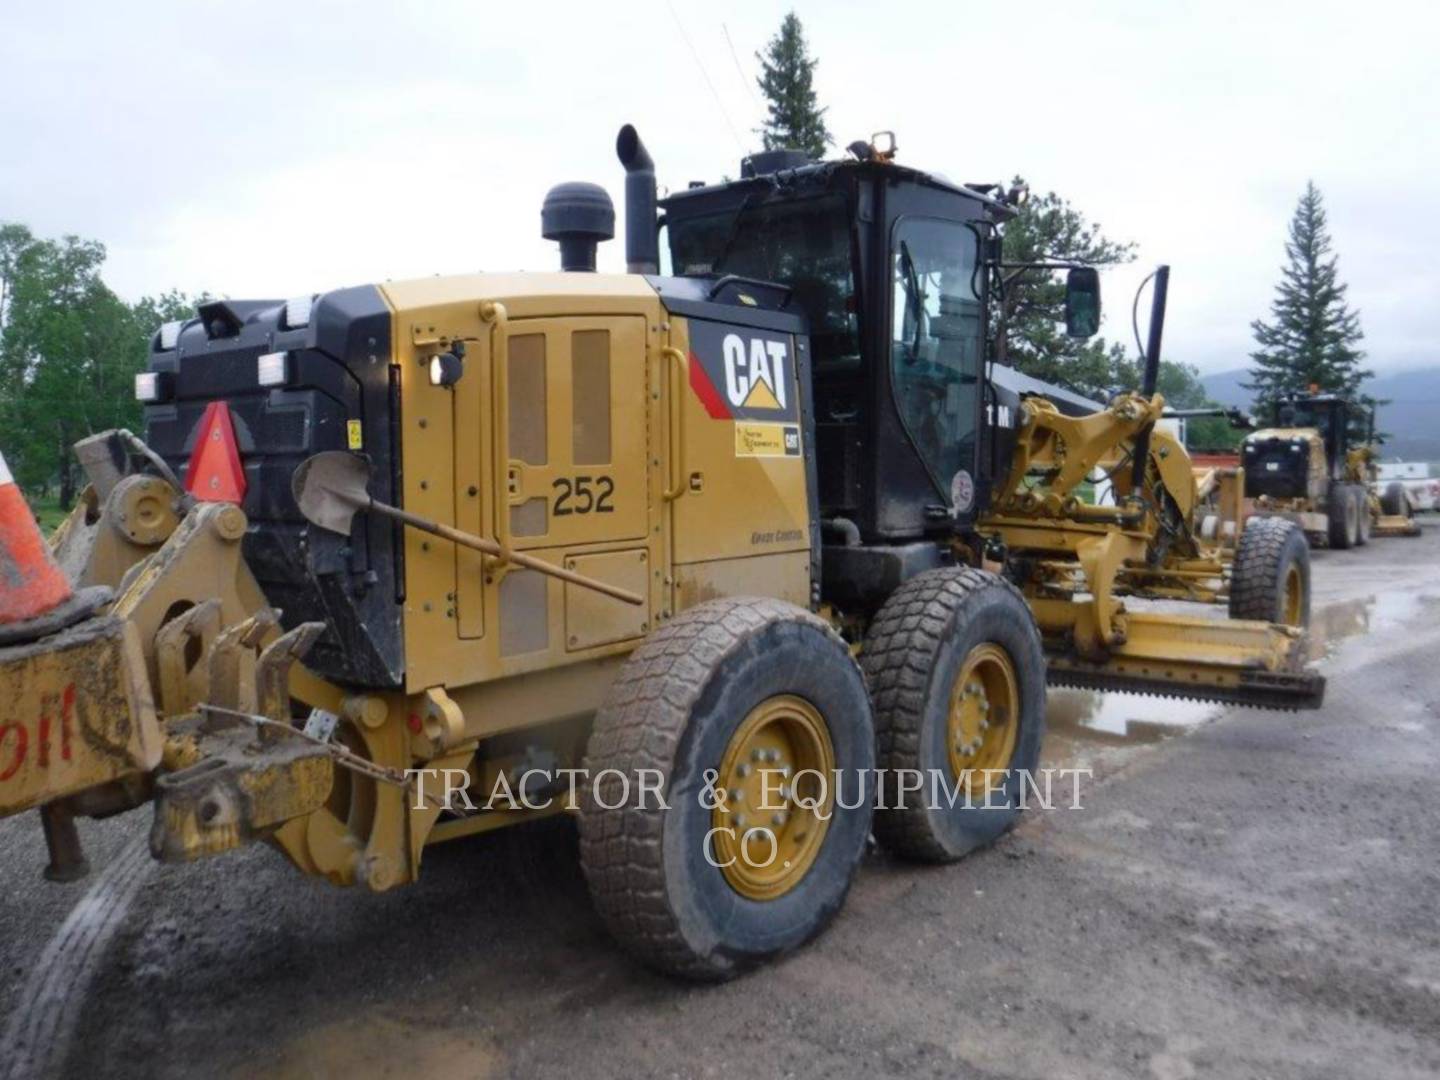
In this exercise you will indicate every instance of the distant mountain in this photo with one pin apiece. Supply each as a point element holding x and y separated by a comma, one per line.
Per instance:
<point>1411,419</point>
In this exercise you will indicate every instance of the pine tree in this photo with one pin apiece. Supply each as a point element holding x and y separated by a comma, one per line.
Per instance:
<point>795,120</point>
<point>1313,338</point>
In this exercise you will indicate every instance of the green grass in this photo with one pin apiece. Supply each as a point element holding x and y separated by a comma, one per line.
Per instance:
<point>47,513</point>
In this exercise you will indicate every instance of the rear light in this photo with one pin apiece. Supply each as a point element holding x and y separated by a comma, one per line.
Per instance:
<point>153,386</point>
<point>297,312</point>
<point>169,335</point>
<point>272,369</point>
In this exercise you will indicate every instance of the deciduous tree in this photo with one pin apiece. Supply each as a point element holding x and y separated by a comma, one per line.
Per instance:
<point>69,351</point>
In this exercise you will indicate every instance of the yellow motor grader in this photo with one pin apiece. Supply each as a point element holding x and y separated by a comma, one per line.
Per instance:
<point>611,544</point>
<point>1316,467</point>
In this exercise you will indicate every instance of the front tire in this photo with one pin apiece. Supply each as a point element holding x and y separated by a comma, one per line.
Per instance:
<point>1394,501</point>
<point>1271,577</point>
<point>1362,514</point>
<point>722,699</point>
<point>957,674</point>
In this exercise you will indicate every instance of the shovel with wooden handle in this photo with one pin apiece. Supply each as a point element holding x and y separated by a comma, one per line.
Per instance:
<point>330,487</point>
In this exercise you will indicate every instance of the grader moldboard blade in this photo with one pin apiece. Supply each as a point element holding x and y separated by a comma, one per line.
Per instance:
<point>1255,689</point>
<point>1229,661</point>
<point>1395,525</point>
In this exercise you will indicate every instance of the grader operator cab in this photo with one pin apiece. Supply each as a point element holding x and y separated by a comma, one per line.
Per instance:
<point>1316,466</point>
<point>399,564</point>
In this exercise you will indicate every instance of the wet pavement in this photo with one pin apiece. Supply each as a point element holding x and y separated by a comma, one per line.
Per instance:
<point>1244,893</point>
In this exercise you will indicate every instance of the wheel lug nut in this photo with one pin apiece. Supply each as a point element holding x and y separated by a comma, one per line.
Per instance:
<point>744,770</point>
<point>739,821</point>
<point>778,819</point>
<point>738,794</point>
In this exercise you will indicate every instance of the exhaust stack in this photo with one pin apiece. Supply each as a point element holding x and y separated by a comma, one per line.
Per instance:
<point>642,245</point>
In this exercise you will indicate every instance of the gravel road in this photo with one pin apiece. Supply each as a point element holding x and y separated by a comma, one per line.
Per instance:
<point>1244,893</point>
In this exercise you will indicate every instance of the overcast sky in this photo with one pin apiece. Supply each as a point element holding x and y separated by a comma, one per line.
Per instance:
<point>268,149</point>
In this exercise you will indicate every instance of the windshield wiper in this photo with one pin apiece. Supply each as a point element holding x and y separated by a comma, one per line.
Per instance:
<point>732,233</point>
<point>912,283</point>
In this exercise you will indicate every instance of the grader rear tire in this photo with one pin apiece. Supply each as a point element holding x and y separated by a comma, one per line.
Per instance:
<point>1271,578</point>
<point>957,673</point>
<point>730,696</point>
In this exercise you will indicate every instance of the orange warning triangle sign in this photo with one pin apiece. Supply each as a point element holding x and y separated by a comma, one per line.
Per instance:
<point>761,397</point>
<point>215,473</point>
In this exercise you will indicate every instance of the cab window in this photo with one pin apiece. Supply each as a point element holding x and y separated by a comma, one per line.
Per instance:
<point>802,243</point>
<point>936,341</point>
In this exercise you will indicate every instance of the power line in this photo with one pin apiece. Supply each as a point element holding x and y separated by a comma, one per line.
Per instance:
<point>705,75</point>
<point>744,81</point>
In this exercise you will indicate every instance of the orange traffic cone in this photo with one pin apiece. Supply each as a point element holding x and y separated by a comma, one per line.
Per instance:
<point>31,583</point>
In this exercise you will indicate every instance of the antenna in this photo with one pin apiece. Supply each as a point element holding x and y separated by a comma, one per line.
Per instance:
<point>719,104</point>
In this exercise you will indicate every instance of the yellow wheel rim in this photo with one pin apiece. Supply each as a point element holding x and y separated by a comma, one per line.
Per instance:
<point>1294,597</point>
<point>984,720</point>
<point>776,794</point>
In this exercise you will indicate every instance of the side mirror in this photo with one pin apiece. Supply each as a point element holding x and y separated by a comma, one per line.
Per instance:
<point>1082,302</point>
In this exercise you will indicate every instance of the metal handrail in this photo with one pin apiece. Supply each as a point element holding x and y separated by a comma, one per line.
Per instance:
<point>675,466</point>
<point>493,312</point>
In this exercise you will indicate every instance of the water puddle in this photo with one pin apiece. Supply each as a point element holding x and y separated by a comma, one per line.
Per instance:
<point>1118,719</point>
<point>1084,726</point>
<point>384,1047</point>
<point>1377,613</point>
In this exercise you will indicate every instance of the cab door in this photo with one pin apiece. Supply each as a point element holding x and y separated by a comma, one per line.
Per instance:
<point>936,350</point>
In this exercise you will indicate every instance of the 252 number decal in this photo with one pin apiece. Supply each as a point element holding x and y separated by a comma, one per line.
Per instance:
<point>578,496</point>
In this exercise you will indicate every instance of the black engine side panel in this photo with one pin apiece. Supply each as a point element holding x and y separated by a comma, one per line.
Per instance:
<point>339,371</point>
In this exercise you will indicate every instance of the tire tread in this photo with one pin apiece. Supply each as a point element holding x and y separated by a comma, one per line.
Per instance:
<point>900,651</point>
<point>641,726</point>
<point>1258,560</point>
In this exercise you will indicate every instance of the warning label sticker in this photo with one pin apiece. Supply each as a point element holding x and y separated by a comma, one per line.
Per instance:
<point>766,440</point>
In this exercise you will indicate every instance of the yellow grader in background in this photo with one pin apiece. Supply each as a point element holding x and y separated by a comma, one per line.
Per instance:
<point>489,531</point>
<point>1316,467</point>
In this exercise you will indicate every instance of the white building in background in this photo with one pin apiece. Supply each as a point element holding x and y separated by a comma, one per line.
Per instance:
<point>1403,470</point>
